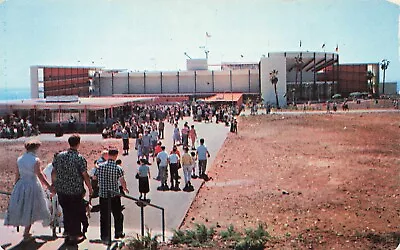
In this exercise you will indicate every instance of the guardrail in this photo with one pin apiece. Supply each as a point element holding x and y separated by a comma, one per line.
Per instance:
<point>142,204</point>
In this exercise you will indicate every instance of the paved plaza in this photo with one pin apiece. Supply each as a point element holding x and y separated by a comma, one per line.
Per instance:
<point>175,204</point>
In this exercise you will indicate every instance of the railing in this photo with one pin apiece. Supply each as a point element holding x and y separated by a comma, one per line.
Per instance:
<point>142,204</point>
<point>8,193</point>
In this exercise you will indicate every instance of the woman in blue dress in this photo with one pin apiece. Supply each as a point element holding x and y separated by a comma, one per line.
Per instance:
<point>28,200</point>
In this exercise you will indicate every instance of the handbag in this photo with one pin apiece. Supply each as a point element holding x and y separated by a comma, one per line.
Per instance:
<point>137,176</point>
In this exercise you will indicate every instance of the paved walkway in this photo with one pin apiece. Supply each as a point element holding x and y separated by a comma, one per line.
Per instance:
<point>176,204</point>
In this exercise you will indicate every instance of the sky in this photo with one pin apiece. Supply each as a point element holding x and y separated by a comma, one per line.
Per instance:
<point>154,34</point>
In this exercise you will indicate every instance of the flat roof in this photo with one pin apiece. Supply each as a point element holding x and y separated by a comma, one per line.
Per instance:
<point>224,97</point>
<point>89,103</point>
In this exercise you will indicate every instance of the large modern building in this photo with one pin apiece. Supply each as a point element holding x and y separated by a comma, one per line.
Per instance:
<point>61,80</point>
<point>302,76</point>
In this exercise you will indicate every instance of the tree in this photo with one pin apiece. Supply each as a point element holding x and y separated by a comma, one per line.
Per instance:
<point>384,65</point>
<point>298,65</point>
<point>370,76</point>
<point>274,80</point>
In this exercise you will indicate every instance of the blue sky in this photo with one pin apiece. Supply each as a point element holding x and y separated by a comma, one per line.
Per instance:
<point>153,35</point>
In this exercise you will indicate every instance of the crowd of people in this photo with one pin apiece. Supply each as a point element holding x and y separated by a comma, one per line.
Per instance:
<point>15,127</point>
<point>56,195</point>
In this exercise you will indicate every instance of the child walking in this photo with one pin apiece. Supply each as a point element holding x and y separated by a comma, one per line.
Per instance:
<point>193,155</point>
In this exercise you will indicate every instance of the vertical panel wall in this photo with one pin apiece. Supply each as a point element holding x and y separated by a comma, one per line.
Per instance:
<point>121,83</point>
<point>136,83</point>
<point>170,82</point>
<point>186,82</point>
<point>222,81</point>
<point>105,84</point>
<point>204,81</point>
<point>153,83</point>
<point>34,82</point>
<point>240,80</point>
<point>254,81</point>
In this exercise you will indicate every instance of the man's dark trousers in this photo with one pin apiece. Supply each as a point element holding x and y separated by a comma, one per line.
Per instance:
<point>117,214</point>
<point>73,209</point>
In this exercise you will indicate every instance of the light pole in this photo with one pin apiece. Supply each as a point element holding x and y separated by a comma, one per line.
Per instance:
<point>384,65</point>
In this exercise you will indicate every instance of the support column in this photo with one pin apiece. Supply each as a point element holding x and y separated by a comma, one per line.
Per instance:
<point>59,114</point>
<point>213,81</point>
<point>195,82</point>
<point>177,74</point>
<point>325,89</point>
<point>128,85</point>
<point>161,83</point>
<point>337,73</point>
<point>144,82</point>
<point>99,84</point>
<point>315,88</point>
<point>112,83</point>
<point>85,116</point>
<point>249,81</point>
<point>230,80</point>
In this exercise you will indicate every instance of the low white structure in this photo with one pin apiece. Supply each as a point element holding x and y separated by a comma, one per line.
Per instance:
<point>177,82</point>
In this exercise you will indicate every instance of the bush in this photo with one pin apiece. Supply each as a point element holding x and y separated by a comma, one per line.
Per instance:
<point>200,236</point>
<point>147,242</point>
<point>253,239</point>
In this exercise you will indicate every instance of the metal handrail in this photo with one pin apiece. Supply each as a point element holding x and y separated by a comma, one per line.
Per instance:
<point>140,203</point>
<point>8,193</point>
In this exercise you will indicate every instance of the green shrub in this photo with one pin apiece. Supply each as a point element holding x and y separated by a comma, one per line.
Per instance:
<point>200,236</point>
<point>146,242</point>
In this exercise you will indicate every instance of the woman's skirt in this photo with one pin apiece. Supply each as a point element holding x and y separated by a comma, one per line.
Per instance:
<point>144,185</point>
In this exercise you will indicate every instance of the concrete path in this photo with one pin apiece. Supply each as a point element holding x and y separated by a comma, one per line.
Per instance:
<point>176,204</point>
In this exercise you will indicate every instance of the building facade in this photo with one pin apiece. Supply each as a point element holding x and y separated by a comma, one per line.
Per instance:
<point>61,80</point>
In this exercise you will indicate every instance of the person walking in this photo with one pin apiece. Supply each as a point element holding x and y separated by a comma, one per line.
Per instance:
<point>173,160</point>
<point>69,173</point>
<point>28,200</point>
<point>144,176</point>
<point>162,159</point>
<point>138,146</point>
<point>185,134</point>
<point>146,144</point>
<point>108,175</point>
<point>193,136</point>
<point>125,141</point>
<point>187,165</point>
<point>176,137</point>
<point>161,129</point>
<point>202,155</point>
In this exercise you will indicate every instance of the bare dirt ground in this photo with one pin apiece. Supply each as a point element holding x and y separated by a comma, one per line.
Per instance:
<point>317,181</point>
<point>10,150</point>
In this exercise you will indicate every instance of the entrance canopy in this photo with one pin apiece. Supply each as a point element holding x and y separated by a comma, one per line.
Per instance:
<point>95,103</point>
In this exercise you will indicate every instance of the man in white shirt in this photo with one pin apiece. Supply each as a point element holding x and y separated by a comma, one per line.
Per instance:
<point>162,159</point>
<point>173,167</point>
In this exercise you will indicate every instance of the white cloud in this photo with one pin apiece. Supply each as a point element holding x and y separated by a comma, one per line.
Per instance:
<point>394,1</point>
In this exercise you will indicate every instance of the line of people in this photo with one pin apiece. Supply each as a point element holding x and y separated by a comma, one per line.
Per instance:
<point>69,175</point>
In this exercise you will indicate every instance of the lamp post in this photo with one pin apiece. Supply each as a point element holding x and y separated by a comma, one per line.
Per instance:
<point>384,65</point>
